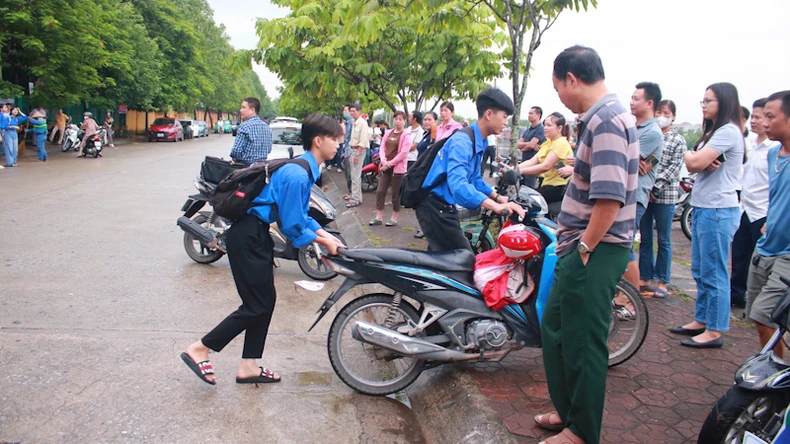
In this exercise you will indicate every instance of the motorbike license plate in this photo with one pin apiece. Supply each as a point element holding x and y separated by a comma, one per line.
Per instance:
<point>160,134</point>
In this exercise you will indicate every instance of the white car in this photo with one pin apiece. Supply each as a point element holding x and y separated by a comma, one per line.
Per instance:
<point>281,119</point>
<point>286,135</point>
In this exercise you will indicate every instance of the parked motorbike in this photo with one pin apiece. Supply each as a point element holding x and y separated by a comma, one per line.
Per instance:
<point>754,410</point>
<point>380,342</point>
<point>370,172</point>
<point>72,138</point>
<point>683,207</point>
<point>94,144</point>
<point>204,231</point>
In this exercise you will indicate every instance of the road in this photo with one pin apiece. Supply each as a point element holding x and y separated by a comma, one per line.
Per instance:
<point>98,299</point>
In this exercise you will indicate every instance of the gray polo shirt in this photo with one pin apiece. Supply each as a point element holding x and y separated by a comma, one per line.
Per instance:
<point>651,141</point>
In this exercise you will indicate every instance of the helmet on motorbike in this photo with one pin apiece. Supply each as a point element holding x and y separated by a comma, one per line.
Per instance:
<point>518,242</point>
<point>87,114</point>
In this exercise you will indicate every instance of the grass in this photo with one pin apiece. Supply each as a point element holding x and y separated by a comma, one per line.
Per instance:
<point>378,241</point>
<point>683,296</point>
<point>408,228</point>
<point>681,262</point>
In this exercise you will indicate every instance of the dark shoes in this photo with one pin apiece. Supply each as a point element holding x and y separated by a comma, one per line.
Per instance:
<point>714,343</point>
<point>686,331</point>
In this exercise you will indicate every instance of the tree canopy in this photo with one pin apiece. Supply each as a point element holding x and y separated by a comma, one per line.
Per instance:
<point>147,54</point>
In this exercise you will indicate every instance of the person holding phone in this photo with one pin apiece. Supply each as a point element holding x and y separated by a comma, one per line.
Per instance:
<point>716,213</point>
<point>550,158</point>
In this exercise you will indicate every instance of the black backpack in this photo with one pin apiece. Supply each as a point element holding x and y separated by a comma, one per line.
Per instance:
<point>411,190</point>
<point>233,196</point>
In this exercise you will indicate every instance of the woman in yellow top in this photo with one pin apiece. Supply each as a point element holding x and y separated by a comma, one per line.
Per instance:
<point>552,152</point>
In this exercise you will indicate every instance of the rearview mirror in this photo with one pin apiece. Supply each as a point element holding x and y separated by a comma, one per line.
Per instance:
<point>509,177</point>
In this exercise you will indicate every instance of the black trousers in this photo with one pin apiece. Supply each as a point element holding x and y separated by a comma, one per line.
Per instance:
<point>251,256</point>
<point>552,193</point>
<point>742,248</point>
<point>489,156</point>
<point>439,222</point>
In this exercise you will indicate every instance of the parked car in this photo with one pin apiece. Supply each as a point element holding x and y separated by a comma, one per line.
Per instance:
<point>286,135</point>
<point>201,128</point>
<point>166,128</point>
<point>226,126</point>
<point>281,119</point>
<point>188,129</point>
<point>234,127</point>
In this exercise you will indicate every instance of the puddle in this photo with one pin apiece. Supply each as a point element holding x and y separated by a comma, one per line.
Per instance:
<point>306,379</point>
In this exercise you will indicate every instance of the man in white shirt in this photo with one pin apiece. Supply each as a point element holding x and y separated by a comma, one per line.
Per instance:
<point>359,143</point>
<point>417,132</point>
<point>754,205</point>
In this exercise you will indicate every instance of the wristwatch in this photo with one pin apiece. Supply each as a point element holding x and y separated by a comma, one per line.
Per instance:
<point>584,249</point>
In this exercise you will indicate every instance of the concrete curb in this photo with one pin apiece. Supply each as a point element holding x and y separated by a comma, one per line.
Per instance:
<point>446,402</point>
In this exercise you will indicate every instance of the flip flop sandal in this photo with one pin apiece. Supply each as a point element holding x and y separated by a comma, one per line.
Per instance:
<point>374,222</point>
<point>392,223</point>
<point>266,377</point>
<point>201,369</point>
<point>352,204</point>
<point>660,294</point>
<point>539,420</point>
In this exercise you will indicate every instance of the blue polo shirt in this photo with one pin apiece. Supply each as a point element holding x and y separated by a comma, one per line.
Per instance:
<point>529,134</point>
<point>776,241</point>
<point>461,164</point>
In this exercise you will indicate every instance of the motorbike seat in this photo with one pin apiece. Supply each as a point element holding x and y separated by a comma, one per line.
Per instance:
<point>455,260</point>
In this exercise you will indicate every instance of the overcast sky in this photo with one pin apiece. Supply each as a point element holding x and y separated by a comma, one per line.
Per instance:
<point>683,45</point>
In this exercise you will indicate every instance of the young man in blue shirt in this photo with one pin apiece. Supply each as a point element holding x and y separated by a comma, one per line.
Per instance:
<point>459,161</point>
<point>286,200</point>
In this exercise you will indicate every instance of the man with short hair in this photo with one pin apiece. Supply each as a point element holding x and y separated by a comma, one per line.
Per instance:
<point>253,138</point>
<point>454,177</point>
<point>531,140</point>
<point>644,104</point>
<point>346,149</point>
<point>359,141</point>
<point>596,229</point>
<point>754,205</point>
<point>417,132</point>
<point>771,258</point>
<point>60,126</point>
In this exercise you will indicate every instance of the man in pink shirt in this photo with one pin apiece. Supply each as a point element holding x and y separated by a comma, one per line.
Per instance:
<point>447,125</point>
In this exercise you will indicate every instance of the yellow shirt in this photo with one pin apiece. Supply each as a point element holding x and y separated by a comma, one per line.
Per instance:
<point>563,150</point>
<point>60,120</point>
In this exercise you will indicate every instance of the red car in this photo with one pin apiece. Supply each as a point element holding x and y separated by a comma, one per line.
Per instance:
<point>166,128</point>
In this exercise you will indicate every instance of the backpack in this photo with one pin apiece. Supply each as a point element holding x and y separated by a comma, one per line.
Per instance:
<point>234,194</point>
<point>411,190</point>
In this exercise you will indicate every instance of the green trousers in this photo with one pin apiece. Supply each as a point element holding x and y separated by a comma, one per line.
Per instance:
<point>574,336</point>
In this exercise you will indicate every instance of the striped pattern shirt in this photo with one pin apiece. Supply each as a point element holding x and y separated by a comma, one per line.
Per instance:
<point>668,176</point>
<point>607,167</point>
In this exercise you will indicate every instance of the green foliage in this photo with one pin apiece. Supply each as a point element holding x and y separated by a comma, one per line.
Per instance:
<point>147,54</point>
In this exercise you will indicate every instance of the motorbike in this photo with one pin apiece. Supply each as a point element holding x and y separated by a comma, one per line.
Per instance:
<point>380,342</point>
<point>755,409</point>
<point>204,230</point>
<point>72,138</point>
<point>94,144</point>
<point>683,207</point>
<point>370,172</point>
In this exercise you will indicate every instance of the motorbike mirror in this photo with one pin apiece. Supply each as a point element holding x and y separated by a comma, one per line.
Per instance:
<point>509,177</point>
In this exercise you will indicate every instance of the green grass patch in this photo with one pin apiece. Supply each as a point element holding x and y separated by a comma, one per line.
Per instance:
<point>408,228</point>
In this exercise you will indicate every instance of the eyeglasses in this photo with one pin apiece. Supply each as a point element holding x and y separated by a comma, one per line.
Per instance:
<point>704,102</point>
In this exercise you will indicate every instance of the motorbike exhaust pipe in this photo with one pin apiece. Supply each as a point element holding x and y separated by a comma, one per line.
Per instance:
<point>406,345</point>
<point>193,228</point>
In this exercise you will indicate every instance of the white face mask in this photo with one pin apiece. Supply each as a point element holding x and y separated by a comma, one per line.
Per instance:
<point>663,122</point>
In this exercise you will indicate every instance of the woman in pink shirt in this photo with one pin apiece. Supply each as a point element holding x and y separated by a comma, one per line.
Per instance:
<point>447,125</point>
<point>394,151</point>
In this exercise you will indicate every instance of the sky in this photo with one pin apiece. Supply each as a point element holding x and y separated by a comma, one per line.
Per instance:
<point>683,45</point>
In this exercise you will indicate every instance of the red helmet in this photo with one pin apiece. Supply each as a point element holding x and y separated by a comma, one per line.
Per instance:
<point>518,242</point>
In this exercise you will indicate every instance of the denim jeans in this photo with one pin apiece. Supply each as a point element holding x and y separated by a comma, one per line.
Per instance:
<point>661,268</point>
<point>41,140</point>
<point>640,212</point>
<point>712,230</point>
<point>11,147</point>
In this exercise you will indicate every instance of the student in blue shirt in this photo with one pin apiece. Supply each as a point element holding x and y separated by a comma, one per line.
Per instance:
<point>10,126</point>
<point>251,254</point>
<point>460,162</point>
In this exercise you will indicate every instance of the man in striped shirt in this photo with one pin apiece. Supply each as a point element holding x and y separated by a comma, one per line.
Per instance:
<point>596,229</point>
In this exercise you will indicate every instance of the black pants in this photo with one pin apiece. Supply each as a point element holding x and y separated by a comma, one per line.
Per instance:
<point>552,194</point>
<point>742,248</point>
<point>251,256</point>
<point>488,157</point>
<point>440,224</point>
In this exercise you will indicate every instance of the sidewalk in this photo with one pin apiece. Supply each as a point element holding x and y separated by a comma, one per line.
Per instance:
<point>662,394</point>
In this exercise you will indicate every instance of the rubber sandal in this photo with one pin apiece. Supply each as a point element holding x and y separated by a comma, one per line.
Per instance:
<point>392,223</point>
<point>542,421</point>
<point>374,221</point>
<point>201,369</point>
<point>660,294</point>
<point>352,204</point>
<point>266,377</point>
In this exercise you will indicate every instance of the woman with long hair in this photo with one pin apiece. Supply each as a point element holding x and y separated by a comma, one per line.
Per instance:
<point>661,208</point>
<point>717,158</point>
<point>393,153</point>
<point>553,151</point>
<point>448,123</point>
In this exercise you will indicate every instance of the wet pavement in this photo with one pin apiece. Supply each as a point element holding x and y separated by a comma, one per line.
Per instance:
<point>662,394</point>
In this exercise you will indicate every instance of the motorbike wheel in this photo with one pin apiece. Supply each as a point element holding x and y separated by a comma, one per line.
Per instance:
<point>364,367</point>
<point>313,267</point>
<point>66,146</point>
<point>685,222</point>
<point>739,411</point>
<point>628,327</point>
<point>196,250</point>
<point>95,153</point>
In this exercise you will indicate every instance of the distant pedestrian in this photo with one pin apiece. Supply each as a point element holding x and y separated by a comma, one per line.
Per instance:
<point>596,228</point>
<point>89,128</point>
<point>771,259</point>
<point>717,158</point>
<point>661,208</point>
<point>489,157</point>
<point>392,168</point>
<point>360,141</point>
<point>448,123</point>
<point>416,131</point>
<point>346,148</point>
<point>10,127</point>
<point>531,140</point>
<point>429,135</point>
<point>108,121</point>
<point>40,131</point>
<point>60,126</point>
<point>253,141</point>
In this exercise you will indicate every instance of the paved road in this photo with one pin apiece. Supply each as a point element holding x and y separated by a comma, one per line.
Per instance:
<point>98,299</point>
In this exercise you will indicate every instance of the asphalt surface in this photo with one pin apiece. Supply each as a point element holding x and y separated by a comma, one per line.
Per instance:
<point>98,299</point>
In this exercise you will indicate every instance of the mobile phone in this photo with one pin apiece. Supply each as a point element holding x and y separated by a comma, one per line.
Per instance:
<point>651,159</point>
<point>722,158</point>
<point>559,165</point>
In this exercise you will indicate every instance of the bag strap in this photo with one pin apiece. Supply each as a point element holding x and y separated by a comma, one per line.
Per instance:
<point>469,131</point>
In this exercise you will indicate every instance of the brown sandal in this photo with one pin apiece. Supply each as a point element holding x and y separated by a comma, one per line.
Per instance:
<point>563,438</point>
<point>544,421</point>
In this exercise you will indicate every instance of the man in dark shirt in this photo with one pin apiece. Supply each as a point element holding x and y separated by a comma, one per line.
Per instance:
<point>530,141</point>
